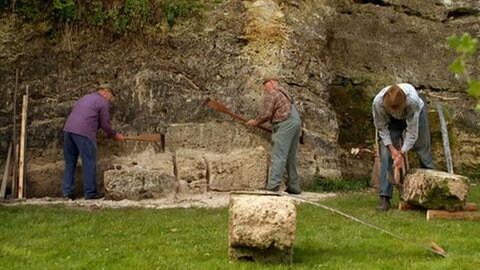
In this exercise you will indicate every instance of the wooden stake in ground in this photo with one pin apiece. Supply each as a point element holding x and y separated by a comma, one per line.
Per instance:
<point>375,180</point>
<point>23,142</point>
<point>14,139</point>
<point>3,186</point>
<point>445,140</point>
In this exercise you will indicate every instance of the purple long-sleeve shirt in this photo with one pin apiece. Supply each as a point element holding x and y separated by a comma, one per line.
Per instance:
<point>90,113</point>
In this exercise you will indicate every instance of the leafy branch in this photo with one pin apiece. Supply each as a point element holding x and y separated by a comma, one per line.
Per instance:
<point>466,47</point>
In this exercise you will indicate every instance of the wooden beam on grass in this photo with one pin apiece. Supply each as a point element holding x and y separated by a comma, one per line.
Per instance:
<point>405,206</point>
<point>459,215</point>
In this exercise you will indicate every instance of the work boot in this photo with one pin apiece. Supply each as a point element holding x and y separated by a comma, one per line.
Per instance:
<point>293,191</point>
<point>96,196</point>
<point>384,204</point>
<point>69,197</point>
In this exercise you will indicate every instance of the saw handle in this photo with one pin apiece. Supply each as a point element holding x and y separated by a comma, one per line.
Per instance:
<point>223,109</point>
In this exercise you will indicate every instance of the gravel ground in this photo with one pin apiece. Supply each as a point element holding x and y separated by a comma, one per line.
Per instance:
<point>206,200</point>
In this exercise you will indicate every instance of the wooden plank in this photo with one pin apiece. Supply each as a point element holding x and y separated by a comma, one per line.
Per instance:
<point>144,138</point>
<point>21,163</point>
<point>405,206</point>
<point>6,173</point>
<point>459,215</point>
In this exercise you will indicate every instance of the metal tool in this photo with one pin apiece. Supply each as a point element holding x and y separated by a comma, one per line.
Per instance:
<point>432,246</point>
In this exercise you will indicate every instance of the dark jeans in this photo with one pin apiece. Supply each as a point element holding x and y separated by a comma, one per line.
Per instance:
<point>73,146</point>
<point>422,148</point>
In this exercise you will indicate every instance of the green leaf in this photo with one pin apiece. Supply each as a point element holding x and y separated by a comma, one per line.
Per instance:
<point>467,44</point>
<point>453,41</point>
<point>474,88</point>
<point>458,66</point>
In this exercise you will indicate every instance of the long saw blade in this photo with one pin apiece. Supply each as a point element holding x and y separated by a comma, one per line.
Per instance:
<point>432,247</point>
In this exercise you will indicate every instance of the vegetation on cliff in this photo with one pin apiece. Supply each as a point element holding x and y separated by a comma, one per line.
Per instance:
<point>118,16</point>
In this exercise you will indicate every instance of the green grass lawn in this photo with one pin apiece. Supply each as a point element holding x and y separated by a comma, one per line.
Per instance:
<point>34,237</point>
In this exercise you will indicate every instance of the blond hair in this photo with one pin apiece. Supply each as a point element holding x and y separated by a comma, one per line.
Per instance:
<point>394,99</point>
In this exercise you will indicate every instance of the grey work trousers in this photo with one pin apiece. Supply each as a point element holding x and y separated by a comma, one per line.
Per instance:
<point>422,148</point>
<point>285,138</point>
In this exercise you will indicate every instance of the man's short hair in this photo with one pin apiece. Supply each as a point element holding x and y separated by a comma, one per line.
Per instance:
<point>394,99</point>
<point>105,86</point>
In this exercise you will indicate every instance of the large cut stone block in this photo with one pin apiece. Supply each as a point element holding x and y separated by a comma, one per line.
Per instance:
<point>244,169</point>
<point>151,176</point>
<point>261,228</point>
<point>45,179</point>
<point>435,189</point>
<point>191,171</point>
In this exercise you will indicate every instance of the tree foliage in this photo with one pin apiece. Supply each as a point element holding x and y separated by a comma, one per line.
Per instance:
<point>465,46</point>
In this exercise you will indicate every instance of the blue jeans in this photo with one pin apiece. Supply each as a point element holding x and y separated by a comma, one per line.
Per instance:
<point>73,146</point>
<point>422,148</point>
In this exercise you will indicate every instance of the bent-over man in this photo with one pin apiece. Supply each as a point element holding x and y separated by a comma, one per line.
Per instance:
<point>398,109</point>
<point>89,114</point>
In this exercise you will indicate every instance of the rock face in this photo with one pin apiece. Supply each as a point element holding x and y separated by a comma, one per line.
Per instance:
<point>213,136</point>
<point>240,170</point>
<point>435,190</point>
<point>261,228</point>
<point>332,55</point>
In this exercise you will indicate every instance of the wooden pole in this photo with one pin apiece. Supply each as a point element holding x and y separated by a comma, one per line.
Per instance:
<point>3,187</point>
<point>14,139</point>
<point>375,179</point>
<point>23,130</point>
<point>446,143</point>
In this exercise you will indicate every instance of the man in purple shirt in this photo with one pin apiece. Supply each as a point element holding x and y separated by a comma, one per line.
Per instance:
<point>89,114</point>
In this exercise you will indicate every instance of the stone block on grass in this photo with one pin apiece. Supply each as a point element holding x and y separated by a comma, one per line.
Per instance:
<point>435,189</point>
<point>261,228</point>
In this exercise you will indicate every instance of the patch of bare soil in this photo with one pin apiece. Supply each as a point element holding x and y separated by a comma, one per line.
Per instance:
<point>206,200</point>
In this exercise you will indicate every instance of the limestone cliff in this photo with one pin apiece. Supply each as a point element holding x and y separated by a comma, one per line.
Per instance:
<point>333,55</point>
